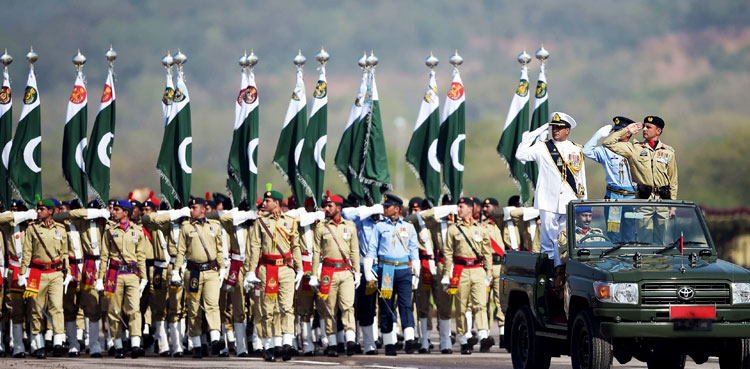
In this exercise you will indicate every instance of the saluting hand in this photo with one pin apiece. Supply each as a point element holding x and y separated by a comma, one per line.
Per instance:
<point>633,128</point>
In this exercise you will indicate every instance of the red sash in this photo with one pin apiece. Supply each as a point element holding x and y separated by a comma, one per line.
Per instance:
<point>89,272</point>
<point>326,275</point>
<point>427,276</point>
<point>234,271</point>
<point>305,288</point>
<point>272,262</point>
<point>73,267</point>
<point>457,269</point>
<point>35,277</point>
<point>497,248</point>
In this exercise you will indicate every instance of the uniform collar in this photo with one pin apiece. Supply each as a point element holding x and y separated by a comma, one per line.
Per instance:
<point>336,222</point>
<point>124,225</point>
<point>398,220</point>
<point>199,220</point>
<point>468,222</point>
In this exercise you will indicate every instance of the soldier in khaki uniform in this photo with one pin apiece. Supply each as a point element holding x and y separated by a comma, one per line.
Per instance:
<point>275,254</point>
<point>653,169</point>
<point>468,253</point>
<point>44,262</point>
<point>201,247</point>
<point>122,276</point>
<point>498,249</point>
<point>13,226</point>
<point>335,261</point>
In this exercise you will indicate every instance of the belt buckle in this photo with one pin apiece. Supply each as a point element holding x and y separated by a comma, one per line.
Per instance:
<point>279,262</point>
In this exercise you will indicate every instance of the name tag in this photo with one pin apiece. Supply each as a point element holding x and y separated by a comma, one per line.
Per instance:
<point>134,237</point>
<point>346,235</point>
<point>478,236</point>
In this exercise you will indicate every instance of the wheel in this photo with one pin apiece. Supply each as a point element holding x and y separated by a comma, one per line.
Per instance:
<point>588,349</point>
<point>527,349</point>
<point>593,235</point>
<point>667,361</point>
<point>736,354</point>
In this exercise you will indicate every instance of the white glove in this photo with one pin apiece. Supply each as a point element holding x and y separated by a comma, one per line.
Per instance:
<point>543,136</point>
<point>99,285</point>
<point>416,267</point>
<point>142,286</point>
<point>222,275</point>
<point>66,282</point>
<point>365,211</point>
<point>239,217</point>
<point>250,281</point>
<point>488,281</point>
<point>414,281</point>
<point>604,131</point>
<point>97,213</point>
<point>320,215</point>
<point>313,281</point>
<point>433,268</point>
<point>176,277</point>
<point>446,282</point>
<point>543,128</point>
<point>298,279</point>
<point>179,213</point>
<point>306,219</point>
<point>369,273</point>
<point>357,280</point>
<point>22,280</point>
<point>22,216</point>
<point>445,210</point>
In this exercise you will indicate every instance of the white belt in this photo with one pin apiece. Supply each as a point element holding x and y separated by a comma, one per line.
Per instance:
<point>307,258</point>
<point>237,257</point>
<point>161,264</point>
<point>15,263</point>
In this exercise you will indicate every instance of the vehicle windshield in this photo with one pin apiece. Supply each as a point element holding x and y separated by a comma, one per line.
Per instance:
<point>649,226</point>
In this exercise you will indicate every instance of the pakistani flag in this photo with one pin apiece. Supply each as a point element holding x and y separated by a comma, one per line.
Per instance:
<point>452,137</point>
<point>538,118</point>
<point>175,156</point>
<point>25,154</point>
<point>345,160</point>
<point>515,125</point>
<point>6,138</point>
<point>243,156</point>
<point>291,139</point>
<point>421,156</point>
<point>99,152</point>
<point>374,173</point>
<point>74,141</point>
<point>312,162</point>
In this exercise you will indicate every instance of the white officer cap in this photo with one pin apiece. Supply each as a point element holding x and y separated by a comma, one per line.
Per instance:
<point>561,119</point>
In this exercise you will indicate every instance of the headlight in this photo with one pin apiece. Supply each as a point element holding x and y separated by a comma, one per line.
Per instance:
<point>740,293</point>
<point>619,293</point>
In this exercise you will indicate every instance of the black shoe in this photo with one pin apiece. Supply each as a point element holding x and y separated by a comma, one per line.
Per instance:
<point>286,352</point>
<point>96,355</point>
<point>269,356</point>
<point>111,351</point>
<point>244,354</point>
<point>486,343</point>
<point>82,345</point>
<point>410,346</point>
<point>19,355</point>
<point>2,353</point>
<point>232,346</point>
<point>379,343</point>
<point>216,347</point>
<point>399,345</point>
<point>446,351</point>
<point>148,340</point>
<point>502,341</point>
<point>198,353</point>
<point>340,348</point>
<point>358,348</point>
<point>423,350</point>
<point>165,354</point>
<point>277,351</point>
<point>178,354</point>
<point>371,352</point>
<point>74,354</point>
<point>59,350</point>
<point>351,348</point>
<point>472,341</point>
<point>332,352</point>
<point>465,349</point>
<point>390,350</point>
<point>431,345</point>
<point>137,352</point>
<point>41,354</point>
<point>203,350</point>
<point>119,354</point>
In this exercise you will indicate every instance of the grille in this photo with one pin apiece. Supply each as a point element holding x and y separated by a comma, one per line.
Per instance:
<point>665,293</point>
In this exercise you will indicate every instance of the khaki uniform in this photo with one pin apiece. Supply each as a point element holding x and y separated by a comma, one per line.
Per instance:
<point>494,232</point>
<point>91,232</point>
<point>472,287</point>
<point>123,251</point>
<point>305,299</point>
<point>200,246</point>
<point>438,232</point>
<point>427,279</point>
<point>13,239</point>
<point>562,242</point>
<point>520,232</point>
<point>165,234</point>
<point>237,236</point>
<point>50,289</point>
<point>331,240</point>
<point>264,253</point>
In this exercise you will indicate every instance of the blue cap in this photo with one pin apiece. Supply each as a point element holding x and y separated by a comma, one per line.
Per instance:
<point>55,201</point>
<point>125,204</point>
<point>583,209</point>
<point>391,199</point>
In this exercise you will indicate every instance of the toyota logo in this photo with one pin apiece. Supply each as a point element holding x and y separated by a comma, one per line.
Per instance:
<point>685,293</point>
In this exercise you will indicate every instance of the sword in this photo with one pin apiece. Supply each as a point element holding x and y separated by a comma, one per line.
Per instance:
<point>44,312</point>
<point>380,294</point>
<point>119,317</point>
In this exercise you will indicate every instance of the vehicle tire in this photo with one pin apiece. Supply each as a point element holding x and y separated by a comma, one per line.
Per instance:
<point>588,348</point>
<point>528,350</point>
<point>736,355</point>
<point>667,361</point>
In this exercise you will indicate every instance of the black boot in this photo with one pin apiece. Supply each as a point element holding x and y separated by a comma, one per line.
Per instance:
<point>390,350</point>
<point>502,341</point>
<point>371,352</point>
<point>19,355</point>
<point>465,349</point>
<point>486,343</point>
<point>351,347</point>
<point>410,346</point>
<point>269,356</point>
<point>119,354</point>
<point>340,348</point>
<point>216,347</point>
<point>41,353</point>
<point>59,350</point>
<point>204,350</point>
<point>286,352</point>
<point>331,351</point>
<point>198,352</point>
<point>148,340</point>
<point>446,351</point>
<point>137,352</point>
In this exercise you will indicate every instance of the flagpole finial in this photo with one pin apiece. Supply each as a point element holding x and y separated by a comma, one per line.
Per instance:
<point>110,55</point>
<point>372,60</point>
<point>32,56</point>
<point>523,58</point>
<point>242,61</point>
<point>431,61</point>
<point>299,60</point>
<point>322,56</point>
<point>167,60</point>
<point>180,59</point>
<point>6,59</point>
<point>79,60</point>
<point>362,62</point>
<point>542,54</point>
<point>456,60</point>
<point>252,59</point>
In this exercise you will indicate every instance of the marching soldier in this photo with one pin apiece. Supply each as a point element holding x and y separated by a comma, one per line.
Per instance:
<point>562,176</point>
<point>336,273</point>
<point>468,254</point>
<point>43,267</point>
<point>123,266</point>
<point>498,249</point>
<point>200,246</point>
<point>274,252</point>
<point>394,244</point>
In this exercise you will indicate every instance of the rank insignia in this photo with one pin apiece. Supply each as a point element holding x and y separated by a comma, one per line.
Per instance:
<point>387,279</point>
<point>556,118</point>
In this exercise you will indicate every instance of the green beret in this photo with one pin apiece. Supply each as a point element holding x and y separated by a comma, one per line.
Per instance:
<point>47,203</point>
<point>274,195</point>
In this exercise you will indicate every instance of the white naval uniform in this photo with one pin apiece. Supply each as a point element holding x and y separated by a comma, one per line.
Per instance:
<point>552,193</point>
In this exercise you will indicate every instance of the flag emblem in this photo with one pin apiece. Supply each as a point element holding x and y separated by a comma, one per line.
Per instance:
<point>178,95</point>
<point>241,96</point>
<point>523,88</point>
<point>78,94</point>
<point>5,95</point>
<point>30,95</point>
<point>296,94</point>
<point>168,96</point>
<point>541,89</point>
<point>107,94</point>
<point>321,90</point>
<point>250,95</point>
<point>431,95</point>
<point>456,91</point>
<point>358,100</point>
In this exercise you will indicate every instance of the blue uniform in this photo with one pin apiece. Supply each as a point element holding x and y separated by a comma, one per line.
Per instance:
<point>364,303</point>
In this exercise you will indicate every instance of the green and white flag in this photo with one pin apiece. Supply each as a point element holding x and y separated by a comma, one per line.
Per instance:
<point>516,124</point>
<point>26,154</point>
<point>6,138</point>
<point>374,173</point>
<point>421,156</point>
<point>291,139</point>
<point>243,155</point>
<point>74,140</point>
<point>345,160</point>
<point>99,151</point>
<point>312,162</point>
<point>538,118</point>
<point>175,156</point>
<point>452,138</point>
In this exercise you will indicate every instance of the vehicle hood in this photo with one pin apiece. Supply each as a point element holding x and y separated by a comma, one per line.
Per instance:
<point>623,268</point>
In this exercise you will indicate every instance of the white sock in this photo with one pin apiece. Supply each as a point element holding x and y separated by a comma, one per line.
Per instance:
<point>196,342</point>
<point>230,336</point>
<point>48,335</point>
<point>174,337</point>
<point>215,335</point>
<point>94,344</point>
<point>268,343</point>
<point>146,329</point>
<point>79,334</point>
<point>135,341</point>
<point>287,339</point>
<point>424,333</point>
<point>469,322</point>
<point>502,330</point>
<point>462,339</point>
<point>350,336</point>
<point>277,341</point>
<point>332,340</point>
<point>389,338</point>
<point>482,334</point>
<point>59,339</point>
<point>408,333</point>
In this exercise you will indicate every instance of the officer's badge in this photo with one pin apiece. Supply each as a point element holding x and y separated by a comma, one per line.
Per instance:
<point>78,94</point>
<point>268,194</point>
<point>523,88</point>
<point>326,279</point>
<point>650,119</point>
<point>107,94</point>
<point>556,118</point>
<point>455,280</point>
<point>541,89</point>
<point>321,90</point>
<point>644,153</point>
<point>18,236</point>
<point>30,96</point>
<point>387,280</point>
<point>431,95</point>
<point>4,95</point>
<point>58,234</point>
<point>178,95</point>
<point>250,95</point>
<point>456,92</point>
<point>194,283</point>
<point>168,97</point>
<point>477,236</point>
<point>617,121</point>
<point>157,279</point>
<point>272,283</point>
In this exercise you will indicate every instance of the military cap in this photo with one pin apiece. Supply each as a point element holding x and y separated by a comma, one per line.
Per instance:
<point>491,201</point>
<point>391,199</point>
<point>55,201</point>
<point>583,209</point>
<point>243,205</point>
<point>273,194</point>
<point>560,119</point>
<point>653,119</point>
<point>309,201</point>
<point>150,204</point>
<point>15,203</point>
<point>196,201</point>
<point>425,204</point>
<point>210,202</point>
<point>65,203</point>
<point>74,204</point>
<point>47,203</point>
<point>93,204</point>
<point>621,122</point>
<point>135,203</point>
<point>415,202</point>
<point>466,200</point>
<point>477,200</point>
<point>336,199</point>
<point>112,202</point>
<point>220,198</point>
<point>124,204</point>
